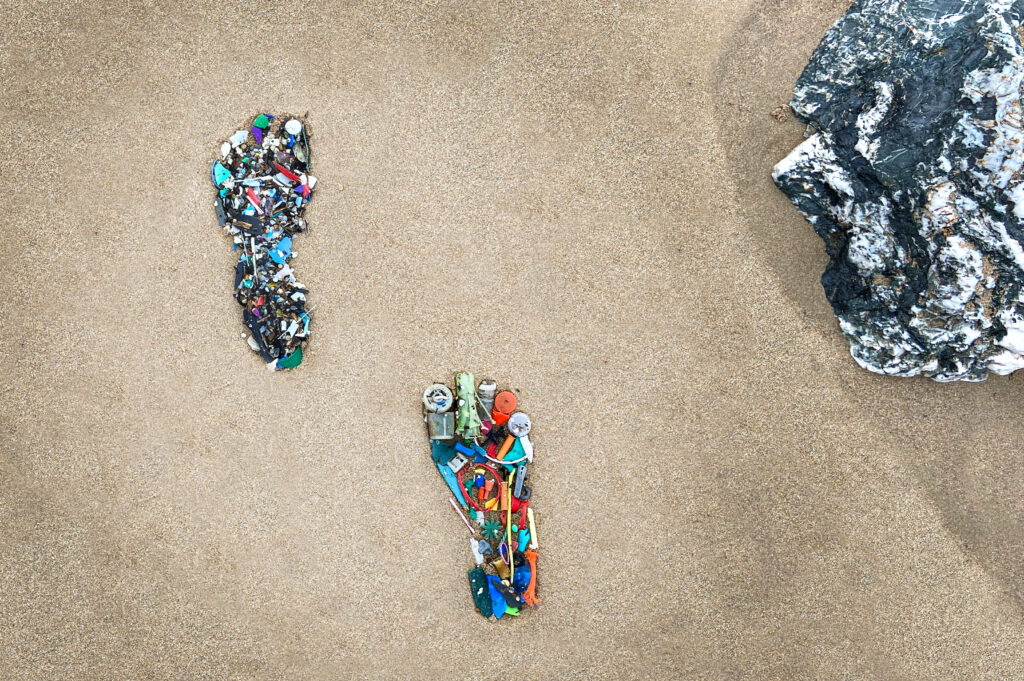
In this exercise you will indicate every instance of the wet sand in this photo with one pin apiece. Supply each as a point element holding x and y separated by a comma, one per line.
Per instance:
<point>572,199</point>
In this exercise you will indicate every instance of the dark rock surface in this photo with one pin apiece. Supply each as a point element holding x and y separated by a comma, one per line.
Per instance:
<point>911,174</point>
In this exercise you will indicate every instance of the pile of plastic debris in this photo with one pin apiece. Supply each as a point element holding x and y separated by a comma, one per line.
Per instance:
<point>263,187</point>
<point>481,446</point>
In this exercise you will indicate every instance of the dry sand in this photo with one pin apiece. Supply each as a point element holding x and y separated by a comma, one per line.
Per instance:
<point>572,199</point>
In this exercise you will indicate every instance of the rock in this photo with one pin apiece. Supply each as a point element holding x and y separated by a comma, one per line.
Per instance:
<point>912,176</point>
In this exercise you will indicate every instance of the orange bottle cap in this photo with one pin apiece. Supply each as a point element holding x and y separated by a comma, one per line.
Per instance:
<point>505,402</point>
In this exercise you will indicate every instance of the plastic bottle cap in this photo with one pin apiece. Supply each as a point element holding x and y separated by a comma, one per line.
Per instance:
<point>293,127</point>
<point>505,402</point>
<point>519,424</point>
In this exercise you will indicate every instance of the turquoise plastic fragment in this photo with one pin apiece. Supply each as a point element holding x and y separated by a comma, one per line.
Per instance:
<point>514,454</point>
<point>261,121</point>
<point>220,173</point>
<point>453,484</point>
<point>441,452</point>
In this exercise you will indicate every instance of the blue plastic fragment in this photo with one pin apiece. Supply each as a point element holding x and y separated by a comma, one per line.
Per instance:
<point>521,579</point>
<point>473,450</point>
<point>498,604</point>
<point>282,251</point>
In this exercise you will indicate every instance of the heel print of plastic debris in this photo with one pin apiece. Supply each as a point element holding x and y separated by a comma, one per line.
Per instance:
<point>263,186</point>
<point>481,446</point>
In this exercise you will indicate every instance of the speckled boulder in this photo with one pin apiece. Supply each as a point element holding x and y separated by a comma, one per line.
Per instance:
<point>912,175</point>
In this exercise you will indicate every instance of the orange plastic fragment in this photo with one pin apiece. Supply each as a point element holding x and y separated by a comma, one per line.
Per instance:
<point>530,595</point>
<point>505,447</point>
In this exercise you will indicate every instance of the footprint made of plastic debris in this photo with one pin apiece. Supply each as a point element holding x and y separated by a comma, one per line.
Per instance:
<point>481,446</point>
<point>263,185</point>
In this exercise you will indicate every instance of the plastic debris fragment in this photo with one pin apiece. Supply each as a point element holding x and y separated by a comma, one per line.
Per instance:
<point>263,187</point>
<point>481,591</point>
<point>530,595</point>
<point>468,422</point>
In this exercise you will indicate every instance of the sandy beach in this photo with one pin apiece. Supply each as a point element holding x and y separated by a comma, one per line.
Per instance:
<point>571,198</point>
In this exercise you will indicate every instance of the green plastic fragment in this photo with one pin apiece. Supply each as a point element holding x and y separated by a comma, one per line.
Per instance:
<point>468,424</point>
<point>492,529</point>
<point>261,121</point>
<point>480,590</point>
<point>291,361</point>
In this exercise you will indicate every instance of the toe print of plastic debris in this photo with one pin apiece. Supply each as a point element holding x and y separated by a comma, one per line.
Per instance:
<point>481,446</point>
<point>263,185</point>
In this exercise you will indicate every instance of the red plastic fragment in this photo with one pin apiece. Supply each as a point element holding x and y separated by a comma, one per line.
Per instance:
<point>254,199</point>
<point>287,173</point>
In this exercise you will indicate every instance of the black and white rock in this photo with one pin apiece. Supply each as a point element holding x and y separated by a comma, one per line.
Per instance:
<point>912,175</point>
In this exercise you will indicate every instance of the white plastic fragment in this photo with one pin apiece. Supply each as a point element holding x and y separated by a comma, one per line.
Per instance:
<point>474,545</point>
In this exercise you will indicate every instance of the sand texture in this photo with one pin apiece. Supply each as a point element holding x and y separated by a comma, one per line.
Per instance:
<point>573,198</point>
